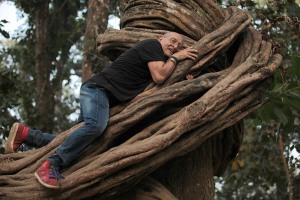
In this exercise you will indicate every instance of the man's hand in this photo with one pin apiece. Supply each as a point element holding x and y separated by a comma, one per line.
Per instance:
<point>189,77</point>
<point>160,70</point>
<point>187,53</point>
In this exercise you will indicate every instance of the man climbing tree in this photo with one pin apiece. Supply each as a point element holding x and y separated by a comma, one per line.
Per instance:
<point>123,80</point>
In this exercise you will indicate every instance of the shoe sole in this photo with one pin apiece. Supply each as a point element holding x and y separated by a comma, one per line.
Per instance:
<point>45,184</point>
<point>9,147</point>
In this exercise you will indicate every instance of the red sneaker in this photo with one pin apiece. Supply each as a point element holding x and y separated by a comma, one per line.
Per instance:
<point>17,136</point>
<point>48,175</point>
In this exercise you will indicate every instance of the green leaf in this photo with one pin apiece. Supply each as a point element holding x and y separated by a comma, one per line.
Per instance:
<point>3,21</point>
<point>293,102</point>
<point>281,116</point>
<point>294,94</point>
<point>295,70</point>
<point>4,33</point>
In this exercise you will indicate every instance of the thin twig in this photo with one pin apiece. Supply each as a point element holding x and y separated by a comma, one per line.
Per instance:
<point>285,166</point>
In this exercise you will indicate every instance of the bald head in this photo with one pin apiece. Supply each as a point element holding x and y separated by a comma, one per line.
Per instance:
<point>172,34</point>
<point>171,42</point>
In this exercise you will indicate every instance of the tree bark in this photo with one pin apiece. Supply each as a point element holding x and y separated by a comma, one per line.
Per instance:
<point>97,20</point>
<point>44,92</point>
<point>185,176</point>
<point>146,189</point>
<point>193,127</point>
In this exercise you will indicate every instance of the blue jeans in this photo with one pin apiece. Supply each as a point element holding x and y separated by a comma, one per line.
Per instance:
<point>94,111</point>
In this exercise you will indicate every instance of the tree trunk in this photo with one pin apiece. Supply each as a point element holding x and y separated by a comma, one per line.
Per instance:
<point>44,92</point>
<point>180,133</point>
<point>186,176</point>
<point>97,20</point>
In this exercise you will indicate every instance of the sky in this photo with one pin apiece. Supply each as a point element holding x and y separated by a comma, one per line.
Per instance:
<point>9,12</point>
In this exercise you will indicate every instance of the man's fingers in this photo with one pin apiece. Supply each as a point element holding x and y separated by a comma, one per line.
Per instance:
<point>193,55</point>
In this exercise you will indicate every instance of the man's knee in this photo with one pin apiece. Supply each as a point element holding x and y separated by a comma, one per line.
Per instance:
<point>97,129</point>
<point>101,127</point>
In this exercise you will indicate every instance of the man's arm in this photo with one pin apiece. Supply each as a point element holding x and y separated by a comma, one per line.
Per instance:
<point>160,70</point>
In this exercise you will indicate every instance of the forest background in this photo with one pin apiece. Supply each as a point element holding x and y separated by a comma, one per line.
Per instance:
<point>268,164</point>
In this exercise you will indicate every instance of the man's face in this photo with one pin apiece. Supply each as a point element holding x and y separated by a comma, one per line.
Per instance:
<point>171,43</point>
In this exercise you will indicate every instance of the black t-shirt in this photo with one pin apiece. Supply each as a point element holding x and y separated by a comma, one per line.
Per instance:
<point>129,74</point>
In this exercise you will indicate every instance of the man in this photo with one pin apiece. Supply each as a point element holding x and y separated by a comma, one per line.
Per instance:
<point>150,60</point>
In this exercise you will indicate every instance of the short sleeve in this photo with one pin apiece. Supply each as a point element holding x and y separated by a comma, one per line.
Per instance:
<point>150,50</point>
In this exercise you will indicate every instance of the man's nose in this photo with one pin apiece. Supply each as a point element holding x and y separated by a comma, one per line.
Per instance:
<point>176,46</point>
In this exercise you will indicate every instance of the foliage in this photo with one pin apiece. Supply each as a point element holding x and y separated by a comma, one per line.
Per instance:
<point>3,32</point>
<point>116,7</point>
<point>258,171</point>
<point>17,62</point>
<point>8,99</point>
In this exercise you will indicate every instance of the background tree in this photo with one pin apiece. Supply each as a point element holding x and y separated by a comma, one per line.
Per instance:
<point>42,63</point>
<point>50,56</point>
<point>268,163</point>
<point>97,20</point>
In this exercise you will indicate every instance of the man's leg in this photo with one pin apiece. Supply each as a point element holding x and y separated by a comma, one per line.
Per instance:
<point>20,134</point>
<point>95,111</point>
<point>37,138</point>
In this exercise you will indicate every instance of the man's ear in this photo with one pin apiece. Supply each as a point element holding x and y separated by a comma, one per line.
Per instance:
<point>160,38</point>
